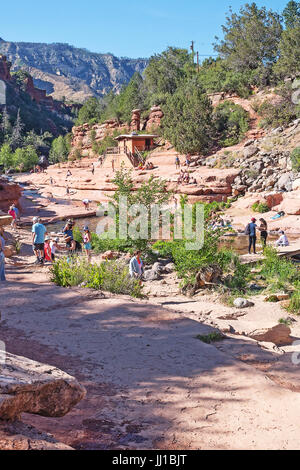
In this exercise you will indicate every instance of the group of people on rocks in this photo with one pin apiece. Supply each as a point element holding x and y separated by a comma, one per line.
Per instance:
<point>187,163</point>
<point>148,166</point>
<point>185,178</point>
<point>251,231</point>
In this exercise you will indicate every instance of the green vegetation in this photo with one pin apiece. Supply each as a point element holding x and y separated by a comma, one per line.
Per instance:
<point>211,337</point>
<point>260,207</point>
<point>232,122</point>
<point>60,149</point>
<point>294,305</point>
<point>295,158</point>
<point>111,276</point>
<point>23,159</point>
<point>280,273</point>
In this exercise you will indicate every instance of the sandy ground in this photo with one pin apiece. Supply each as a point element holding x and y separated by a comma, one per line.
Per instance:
<point>151,383</point>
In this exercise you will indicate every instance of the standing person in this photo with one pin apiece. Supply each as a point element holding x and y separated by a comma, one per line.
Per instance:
<point>93,168</point>
<point>188,160</point>
<point>69,238</point>
<point>136,266</point>
<point>251,232</point>
<point>87,242</point>
<point>177,163</point>
<point>67,190</point>
<point>47,249</point>
<point>54,248</point>
<point>17,212</point>
<point>263,228</point>
<point>13,214</point>
<point>38,239</point>
<point>2,259</point>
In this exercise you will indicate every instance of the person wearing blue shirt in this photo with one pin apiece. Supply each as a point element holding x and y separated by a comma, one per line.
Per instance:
<point>38,238</point>
<point>2,259</point>
<point>252,236</point>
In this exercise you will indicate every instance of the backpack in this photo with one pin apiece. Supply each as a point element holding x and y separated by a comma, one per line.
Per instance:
<point>247,230</point>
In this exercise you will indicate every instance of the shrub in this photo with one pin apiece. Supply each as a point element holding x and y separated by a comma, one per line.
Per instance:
<point>295,158</point>
<point>232,122</point>
<point>294,306</point>
<point>279,272</point>
<point>211,337</point>
<point>111,276</point>
<point>260,207</point>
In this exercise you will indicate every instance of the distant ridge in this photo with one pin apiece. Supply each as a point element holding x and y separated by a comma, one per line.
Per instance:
<point>70,72</point>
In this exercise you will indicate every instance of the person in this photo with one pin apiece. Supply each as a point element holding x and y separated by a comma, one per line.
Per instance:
<point>263,228</point>
<point>87,242</point>
<point>93,169</point>
<point>16,211</point>
<point>68,174</point>
<point>67,190</point>
<point>54,248</point>
<point>2,259</point>
<point>251,232</point>
<point>136,266</point>
<point>47,249</point>
<point>12,213</point>
<point>86,203</point>
<point>69,238</point>
<point>283,240</point>
<point>177,163</point>
<point>38,239</point>
<point>51,180</point>
<point>188,160</point>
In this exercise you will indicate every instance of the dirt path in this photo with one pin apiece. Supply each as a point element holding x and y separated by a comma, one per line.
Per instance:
<point>151,383</point>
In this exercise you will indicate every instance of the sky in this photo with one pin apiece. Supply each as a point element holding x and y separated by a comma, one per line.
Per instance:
<point>128,28</point>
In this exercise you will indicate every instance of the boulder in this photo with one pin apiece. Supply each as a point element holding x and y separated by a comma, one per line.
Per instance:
<point>170,267</point>
<point>250,151</point>
<point>242,303</point>
<point>27,386</point>
<point>296,184</point>
<point>279,335</point>
<point>151,275</point>
<point>285,182</point>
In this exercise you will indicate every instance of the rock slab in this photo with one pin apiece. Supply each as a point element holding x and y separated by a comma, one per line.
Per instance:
<point>27,386</point>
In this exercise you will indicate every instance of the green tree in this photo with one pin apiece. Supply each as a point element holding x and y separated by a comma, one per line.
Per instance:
<point>25,158</point>
<point>90,112</point>
<point>6,127</point>
<point>288,63</point>
<point>6,156</point>
<point>60,149</point>
<point>251,38</point>
<point>291,14</point>
<point>17,133</point>
<point>188,122</point>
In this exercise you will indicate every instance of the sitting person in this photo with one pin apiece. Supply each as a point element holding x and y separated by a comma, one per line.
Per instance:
<point>283,240</point>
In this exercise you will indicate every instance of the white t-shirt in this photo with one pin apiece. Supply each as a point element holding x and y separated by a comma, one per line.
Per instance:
<point>53,248</point>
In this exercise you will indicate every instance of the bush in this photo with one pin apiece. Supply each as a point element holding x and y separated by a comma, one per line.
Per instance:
<point>279,272</point>
<point>232,122</point>
<point>111,276</point>
<point>295,158</point>
<point>260,207</point>
<point>294,306</point>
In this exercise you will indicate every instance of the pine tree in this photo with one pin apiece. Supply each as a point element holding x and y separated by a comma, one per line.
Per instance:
<point>6,128</point>
<point>17,133</point>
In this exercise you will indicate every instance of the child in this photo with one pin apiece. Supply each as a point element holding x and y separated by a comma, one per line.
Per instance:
<point>12,213</point>
<point>47,250</point>
<point>54,248</point>
<point>87,242</point>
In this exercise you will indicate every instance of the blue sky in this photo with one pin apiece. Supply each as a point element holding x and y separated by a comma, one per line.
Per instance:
<point>129,28</point>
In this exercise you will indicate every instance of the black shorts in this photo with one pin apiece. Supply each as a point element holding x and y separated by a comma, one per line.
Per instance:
<point>38,246</point>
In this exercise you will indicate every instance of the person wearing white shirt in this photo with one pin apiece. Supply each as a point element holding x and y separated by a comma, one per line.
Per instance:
<point>283,240</point>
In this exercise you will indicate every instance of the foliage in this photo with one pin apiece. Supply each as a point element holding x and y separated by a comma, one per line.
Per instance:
<point>295,158</point>
<point>90,112</point>
<point>232,122</point>
<point>294,305</point>
<point>188,122</point>
<point>281,112</point>
<point>211,337</point>
<point>60,149</point>
<point>291,14</point>
<point>251,38</point>
<point>289,47</point>
<point>279,272</point>
<point>111,276</point>
<point>260,207</point>
<point>23,159</point>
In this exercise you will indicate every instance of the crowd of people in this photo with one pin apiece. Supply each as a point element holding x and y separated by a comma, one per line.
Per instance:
<point>185,178</point>
<point>251,231</point>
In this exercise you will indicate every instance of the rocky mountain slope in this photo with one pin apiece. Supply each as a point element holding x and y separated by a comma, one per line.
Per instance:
<point>63,70</point>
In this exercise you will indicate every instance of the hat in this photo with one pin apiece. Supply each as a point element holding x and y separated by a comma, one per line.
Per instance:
<point>56,239</point>
<point>253,219</point>
<point>47,238</point>
<point>85,228</point>
<point>35,219</point>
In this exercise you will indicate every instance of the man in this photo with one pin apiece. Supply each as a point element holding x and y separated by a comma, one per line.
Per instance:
<point>38,239</point>
<point>136,267</point>
<point>177,162</point>
<point>251,232</point>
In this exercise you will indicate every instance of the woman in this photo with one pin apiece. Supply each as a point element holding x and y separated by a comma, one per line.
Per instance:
<point>263,228</point>
<point>2,260</point>
<point>87,242</point>
<point>47,250</point>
